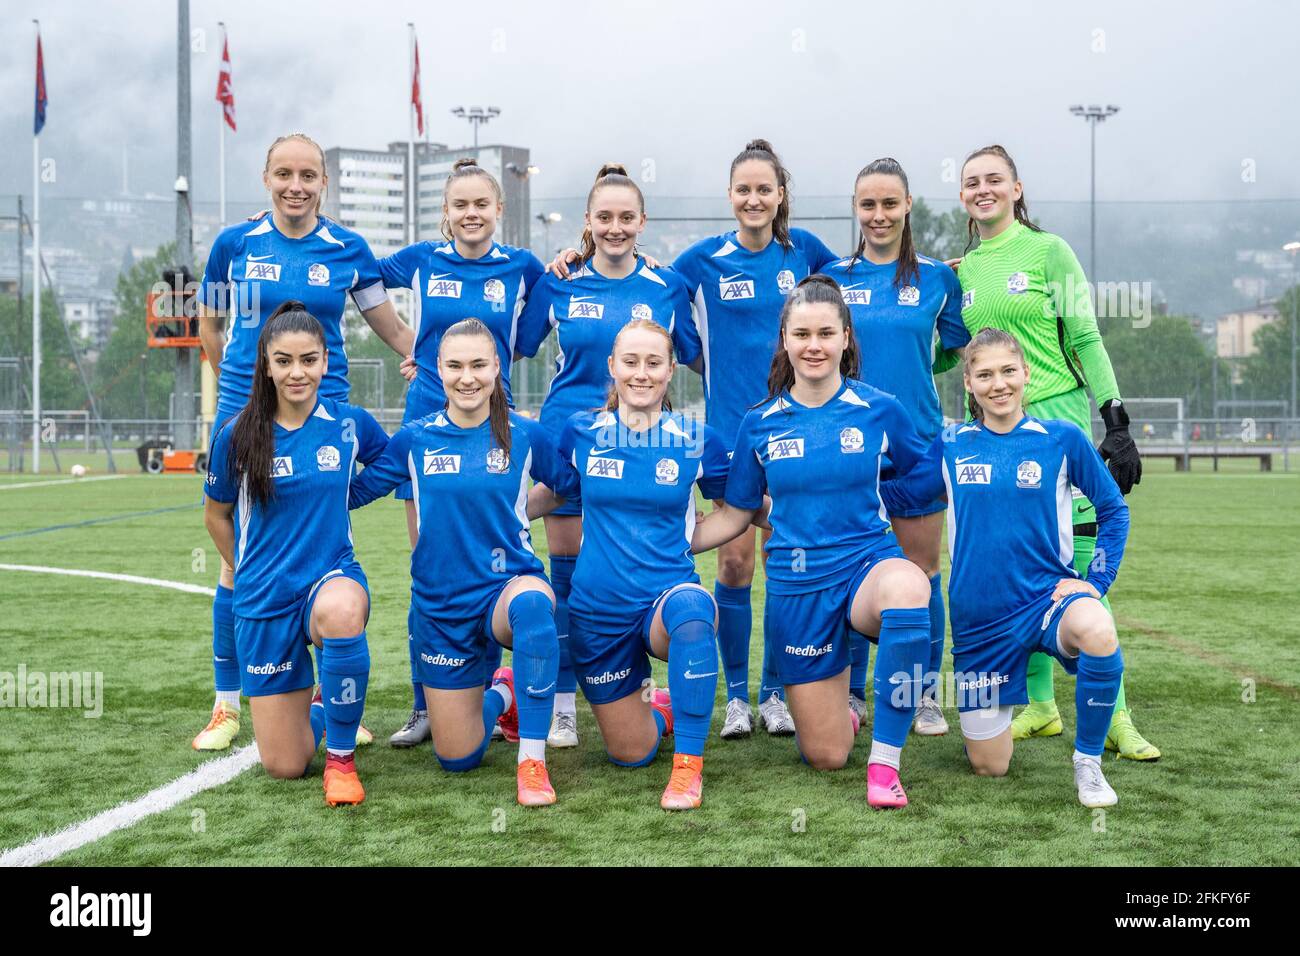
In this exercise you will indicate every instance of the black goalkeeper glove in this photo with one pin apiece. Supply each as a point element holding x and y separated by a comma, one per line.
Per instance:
<point>1118,449</point>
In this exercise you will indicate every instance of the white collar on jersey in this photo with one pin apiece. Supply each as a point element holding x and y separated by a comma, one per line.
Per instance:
<point>321,413</point>
<point>853,398</point>
<point>449,248</point>
<point>1030,425</point>
<point>727,249</point>
<point>263,227</point>
<point>325,234</point>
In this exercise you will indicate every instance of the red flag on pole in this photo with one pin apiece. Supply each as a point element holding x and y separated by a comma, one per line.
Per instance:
<point>41,98</point>
<point>415,92</point>
<point>226,95</point>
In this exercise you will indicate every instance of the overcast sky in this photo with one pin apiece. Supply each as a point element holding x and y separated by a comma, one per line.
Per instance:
<point>1204,87</point>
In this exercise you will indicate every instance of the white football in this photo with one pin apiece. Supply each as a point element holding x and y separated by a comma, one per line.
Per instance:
<point>78,471</point>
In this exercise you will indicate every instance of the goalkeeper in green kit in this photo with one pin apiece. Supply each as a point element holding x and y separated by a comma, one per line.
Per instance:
<point>1029,283</point>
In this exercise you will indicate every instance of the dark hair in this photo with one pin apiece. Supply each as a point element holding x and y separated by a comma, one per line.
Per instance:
<point>985,337</point>
<point>762,150</point>
<point>1020,209</point>
<point>908,270</point>
<point>650,325</point>
<point>498,409</point>
<point>611,174</point>
<point>463,169</point>
<point>817,289</point>
<point>252,436</point>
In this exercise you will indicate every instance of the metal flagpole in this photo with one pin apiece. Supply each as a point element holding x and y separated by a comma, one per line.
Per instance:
<point>410,146</point>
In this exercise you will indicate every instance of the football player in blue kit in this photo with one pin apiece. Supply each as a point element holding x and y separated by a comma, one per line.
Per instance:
<point>288,458</point>
<point>290,253</point>
<point>635,589</point>
<point>1007,477</point>
<point>469,275</point>
<point>816,446</point>
<point>738,283</point>
<point>475,579</point>
<point>900,301</point>
<point>612,287</point>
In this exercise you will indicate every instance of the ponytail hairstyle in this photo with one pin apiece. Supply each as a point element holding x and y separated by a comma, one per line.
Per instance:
<point>985,337</point>
<point>303,138</point>
<point>252,436</point>
<point>650,325</point>
<point>498,409</point>
<point>908,270</point>
<point>611,174</point>
<point>1020,210</point>
<point>462,169</point>
<point>817,289</point>
<point>762,150</point>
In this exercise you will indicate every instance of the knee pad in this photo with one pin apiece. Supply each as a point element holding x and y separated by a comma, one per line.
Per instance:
<point>688,604</point>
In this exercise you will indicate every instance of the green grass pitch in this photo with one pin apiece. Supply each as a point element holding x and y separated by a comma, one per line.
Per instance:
<point>1206,606</point>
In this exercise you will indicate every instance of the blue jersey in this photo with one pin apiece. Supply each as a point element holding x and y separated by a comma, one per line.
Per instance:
<point>638,500</point>
<point>284,547</point>
<point>473,498</point>
<point>448,287</point>
<point>895,329</point>
<point>1010,520</point>
<point>821,467</point>
<point>738,297</point>
<point>587,311</point>
<point>253,268</point>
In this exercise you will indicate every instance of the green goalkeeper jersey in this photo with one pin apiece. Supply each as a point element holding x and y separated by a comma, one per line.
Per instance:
<point>1030,284</point>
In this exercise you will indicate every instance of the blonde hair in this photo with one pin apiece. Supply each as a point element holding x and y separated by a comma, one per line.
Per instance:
<point>649,325</point>
<point>302,138</point>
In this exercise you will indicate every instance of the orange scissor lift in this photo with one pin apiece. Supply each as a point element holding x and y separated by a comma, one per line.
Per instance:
<point>172,322</point>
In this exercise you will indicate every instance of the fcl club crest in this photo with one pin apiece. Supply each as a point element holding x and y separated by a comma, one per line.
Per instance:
<point>327,458</point>
<point>909,295</point>
<point>497,462</point>
<point>1029,474</point>
<point>494,290</point>
<point>851,441</point>
<point>785,281</point>
<point>642,311</point>
<point>666,472</point>
<point>317,274</point>
<point>1017,283</point>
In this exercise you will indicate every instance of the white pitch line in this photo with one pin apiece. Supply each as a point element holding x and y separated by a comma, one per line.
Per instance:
<point>109,576</point>
<point>211,774</point>
<point>60,481</point>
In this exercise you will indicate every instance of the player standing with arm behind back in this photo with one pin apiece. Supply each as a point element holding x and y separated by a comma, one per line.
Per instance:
<point>612,287</point>
<point>815,445</point>
<point>470,275</point>
<point>1008,479</point>
<point>288,458</point>
<point>738,283</point>
<point>1029,283</point>
<point>290,253</point>
<point>900,301</point>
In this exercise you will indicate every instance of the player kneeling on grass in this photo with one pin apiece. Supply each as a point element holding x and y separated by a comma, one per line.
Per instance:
<point>1013,589</point>
<point>474,576</point>
<point>635,590</point>
<point>288,458</point>
<point>815,446</point>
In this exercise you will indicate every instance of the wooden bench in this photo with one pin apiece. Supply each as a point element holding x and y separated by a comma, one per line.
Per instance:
<point>1183,456</point>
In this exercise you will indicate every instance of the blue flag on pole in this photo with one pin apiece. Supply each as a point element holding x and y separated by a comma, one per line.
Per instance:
<point>41,98</point>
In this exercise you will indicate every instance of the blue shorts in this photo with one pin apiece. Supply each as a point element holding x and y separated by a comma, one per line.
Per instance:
<point>273,650</point>
<point>451,653</point>
<point>990,670</point>
<point>611,652</point>
<point>808,633</point>
<point>903,506</point>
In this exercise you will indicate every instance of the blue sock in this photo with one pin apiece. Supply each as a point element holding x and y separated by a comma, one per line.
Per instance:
<point>344,675</point>
<point>735,621</point>
<point>1095,690</point>
<point>317,722</point>
<point>225,661</point>
<point>493,706</point>
<point>771,679</point>
<point>859,655</point>
<point>417,689</point>
<point>902,652</point>
<point>654,750</point>
<point>536,662</point>
<point>937,621</point>
<point>562,583</point>
<point>692,666</point>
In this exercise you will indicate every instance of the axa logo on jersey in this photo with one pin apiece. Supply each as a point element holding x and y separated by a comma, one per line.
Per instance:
<point>440,287</point>
<point>856,296</point>
<point>601,467</point>
<point>436,463</point>
<point>973,473</point>
<point>779,447</point>
<point>582,308</point>
<point>733,287</point>
<point>265,271</point>
<point>281,467</point>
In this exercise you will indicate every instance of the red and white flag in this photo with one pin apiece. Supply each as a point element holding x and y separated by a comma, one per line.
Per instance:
<point>226,95</point>
<point>415,92</point>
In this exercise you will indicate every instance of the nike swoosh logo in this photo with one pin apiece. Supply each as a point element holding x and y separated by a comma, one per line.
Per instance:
<point>771,437</point>
<point>690,676</point>
<point>603,451</point>
<point>1100,703</point>
<point>897,679</point>
<point>739,683</point>
<point>221,660</point>
<point>962,461</point>
<point>260,258</point>
<point>341,703</point>
<point>729,278</point>
<point>443,276</point>
<point>581,298</point>
<point>534,690</point>
<point>435,451</point>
